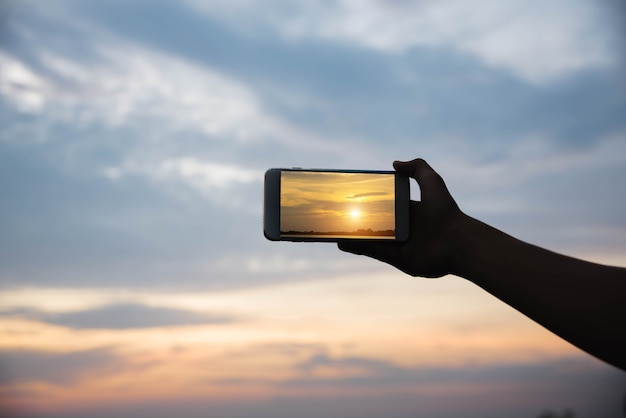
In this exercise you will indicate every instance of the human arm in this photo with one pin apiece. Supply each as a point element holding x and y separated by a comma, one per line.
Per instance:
<point>583,302</point>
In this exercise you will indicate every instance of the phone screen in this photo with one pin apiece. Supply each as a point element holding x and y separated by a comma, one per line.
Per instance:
<point>335,205</point>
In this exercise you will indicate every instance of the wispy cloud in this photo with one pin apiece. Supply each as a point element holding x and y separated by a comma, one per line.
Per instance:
<point>121,316</point>
<point>219,183</point>
<point>130,84</point>
<point>358,195</point>
<point>535,41</point>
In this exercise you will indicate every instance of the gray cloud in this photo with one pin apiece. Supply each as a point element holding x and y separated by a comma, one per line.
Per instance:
<point>20,366</point>
<point>451,24</point>
<point>582,384</point>
<point>382,372</point>
<point>122,316</point>
<point>67,220</point>
<point>586,385</point>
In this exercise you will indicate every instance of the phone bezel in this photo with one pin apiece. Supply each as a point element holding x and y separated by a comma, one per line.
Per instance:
<point>271,205</point>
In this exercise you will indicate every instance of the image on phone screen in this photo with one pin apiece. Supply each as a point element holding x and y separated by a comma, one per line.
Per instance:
<point>337,205</point>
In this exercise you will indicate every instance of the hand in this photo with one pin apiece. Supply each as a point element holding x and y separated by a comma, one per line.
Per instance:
<point>533,280</point>
<point>429,249</point>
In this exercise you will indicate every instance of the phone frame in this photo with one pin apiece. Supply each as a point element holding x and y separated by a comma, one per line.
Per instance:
<point>271,205</point>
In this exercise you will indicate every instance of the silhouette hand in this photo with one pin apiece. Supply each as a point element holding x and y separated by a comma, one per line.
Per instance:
<point>531,279</point>
<point>429,249</point>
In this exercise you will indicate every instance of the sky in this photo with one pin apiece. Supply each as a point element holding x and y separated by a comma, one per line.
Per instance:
<point>134,276</point>
<point>336,202</point>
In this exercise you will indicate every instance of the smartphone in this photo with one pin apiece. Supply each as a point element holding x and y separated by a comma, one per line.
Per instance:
<point>331,205</point>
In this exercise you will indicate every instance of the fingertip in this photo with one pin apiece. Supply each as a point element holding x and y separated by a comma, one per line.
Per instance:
<point>345,246</point>
<point>401,165</point>
<point>409,167</point>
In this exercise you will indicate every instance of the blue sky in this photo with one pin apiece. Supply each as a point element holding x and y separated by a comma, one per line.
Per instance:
<point>135,135</point>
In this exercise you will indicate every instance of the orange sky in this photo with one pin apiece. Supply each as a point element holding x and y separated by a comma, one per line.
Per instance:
<point>331,202</point>
<point>333,331</point>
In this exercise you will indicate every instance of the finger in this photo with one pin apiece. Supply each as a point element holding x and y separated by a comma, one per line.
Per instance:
<point>386,252</point>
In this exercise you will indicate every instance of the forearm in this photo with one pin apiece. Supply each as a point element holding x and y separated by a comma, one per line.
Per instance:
<point>583,302</point>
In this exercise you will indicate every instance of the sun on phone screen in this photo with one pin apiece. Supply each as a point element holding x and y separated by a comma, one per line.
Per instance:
<point>336,205</point>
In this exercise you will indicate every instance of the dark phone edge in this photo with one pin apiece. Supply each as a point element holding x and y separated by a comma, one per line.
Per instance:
<point>271,204</point>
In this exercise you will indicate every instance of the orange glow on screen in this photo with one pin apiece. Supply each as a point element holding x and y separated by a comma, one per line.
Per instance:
<point>337,204</point>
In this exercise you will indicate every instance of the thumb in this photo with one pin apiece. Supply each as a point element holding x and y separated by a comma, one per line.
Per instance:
<point>432,186</point>
<point>418,169</point>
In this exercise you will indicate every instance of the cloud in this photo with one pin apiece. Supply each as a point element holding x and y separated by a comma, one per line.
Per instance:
<point>20,366</point>
<point>534,41</point>
<point>220,183</point>
<point>126,150</point>
<point>21,84</point>
<point>121,316</point>
<point>567,380</point>
<point>579,383</point>
<point>121,84</point>
<point>153,108</point>
<point>358,195</point>
<point>368,371</point>
<point>128,84</point>
<point>209,174</point>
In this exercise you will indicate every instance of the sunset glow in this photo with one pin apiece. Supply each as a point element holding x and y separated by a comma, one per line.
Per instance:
<point>282,339</point>
<point>321,203</point>
<point>136,280</point>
